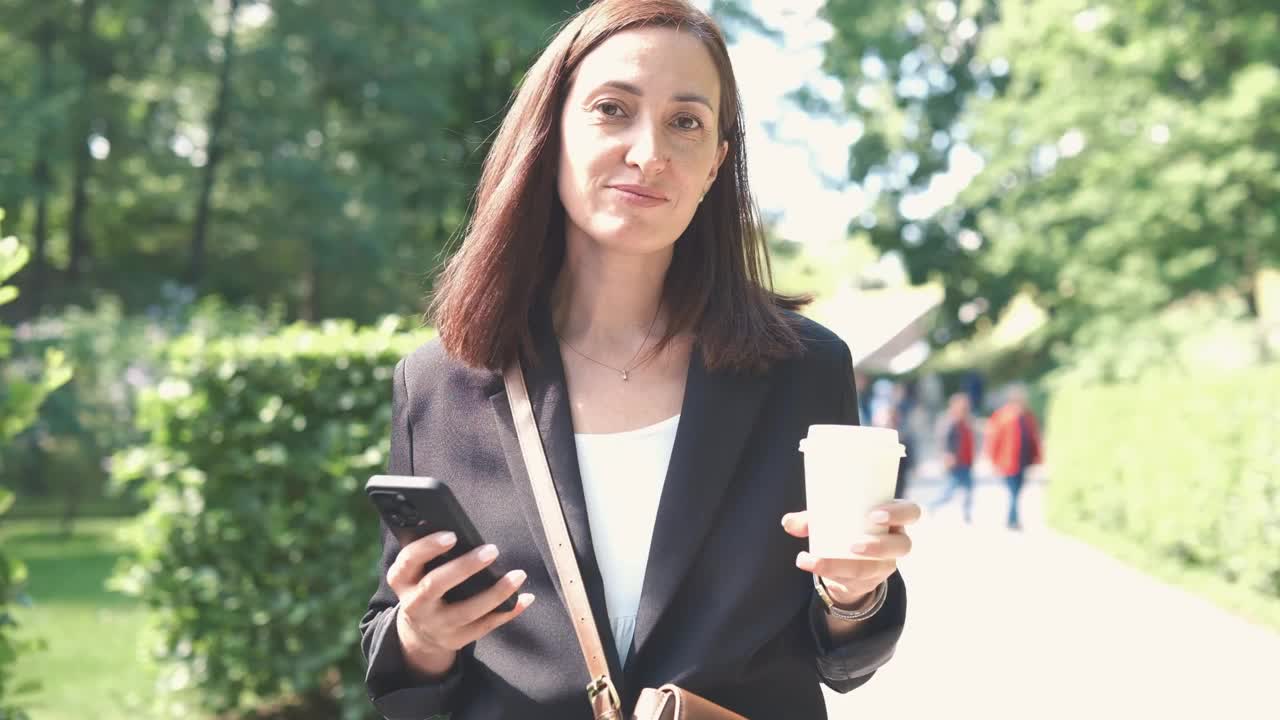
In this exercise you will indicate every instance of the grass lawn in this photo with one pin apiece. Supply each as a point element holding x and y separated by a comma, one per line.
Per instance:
<point>92,666</point>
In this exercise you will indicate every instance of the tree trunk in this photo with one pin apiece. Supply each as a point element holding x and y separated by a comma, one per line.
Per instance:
<point>71,505</point>
<point>42,178</point>
<point>159,17</point>
<point>80,249</point>
<point>195,271</point>
<point>310,281</point>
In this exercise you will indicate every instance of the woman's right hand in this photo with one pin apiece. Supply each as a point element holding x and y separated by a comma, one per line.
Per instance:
<point>432,630</point>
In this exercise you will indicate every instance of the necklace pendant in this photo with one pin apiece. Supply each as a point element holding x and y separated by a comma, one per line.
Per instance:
<point>624,375</point>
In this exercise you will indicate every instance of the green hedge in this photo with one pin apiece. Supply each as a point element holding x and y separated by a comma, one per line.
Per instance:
<point>258,551</point>
<point>1186,468</point>
<point>57,465</point>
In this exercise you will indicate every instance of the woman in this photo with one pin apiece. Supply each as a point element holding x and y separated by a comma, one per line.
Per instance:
<point>615,250</point>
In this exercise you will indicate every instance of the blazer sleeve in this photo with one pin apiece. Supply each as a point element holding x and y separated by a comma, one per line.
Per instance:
<point>395,693</point>
<point>846,666</point>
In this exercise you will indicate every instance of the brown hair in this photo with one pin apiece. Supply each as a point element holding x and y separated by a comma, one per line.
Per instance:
<point>719,284</point>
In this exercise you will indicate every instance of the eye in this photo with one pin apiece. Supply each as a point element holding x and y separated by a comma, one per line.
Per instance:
<point>609,108</point>
<point>688,122</point>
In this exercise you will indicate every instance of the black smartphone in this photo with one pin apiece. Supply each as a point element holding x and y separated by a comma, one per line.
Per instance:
<point>414,507</point>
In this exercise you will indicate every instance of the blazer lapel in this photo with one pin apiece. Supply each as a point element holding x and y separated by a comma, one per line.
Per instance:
<point>548,393</point>
<point>718,413</point>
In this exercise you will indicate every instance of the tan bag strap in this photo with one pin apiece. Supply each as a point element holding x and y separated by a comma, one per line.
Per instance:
<point>601,693</point>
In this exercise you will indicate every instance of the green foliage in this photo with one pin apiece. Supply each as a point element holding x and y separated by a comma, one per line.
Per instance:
<point>258,544</point>
<point>1134,159</point>
<point>21,398</point>
<point>1187,467</point>
<point>1127,156</point>
<point>19,401</point>
<point>1200,336</point>
<point>910,72</point>
<point>820,270</point>
<point>62,455</point>
<point>343,141</point>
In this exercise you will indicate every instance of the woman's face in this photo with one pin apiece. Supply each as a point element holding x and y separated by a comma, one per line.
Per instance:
<point>638,139</point>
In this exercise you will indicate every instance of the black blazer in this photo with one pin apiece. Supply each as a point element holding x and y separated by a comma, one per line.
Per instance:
<point>724,612</point>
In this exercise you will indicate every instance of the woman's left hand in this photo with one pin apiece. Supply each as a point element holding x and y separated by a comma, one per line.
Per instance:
<point>848,580</point>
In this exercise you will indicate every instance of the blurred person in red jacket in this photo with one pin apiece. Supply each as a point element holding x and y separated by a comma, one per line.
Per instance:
<point>1013,445</point>
<point>958,455</point>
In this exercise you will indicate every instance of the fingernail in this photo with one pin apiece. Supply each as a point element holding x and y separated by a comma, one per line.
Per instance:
<point>447,539</point>
<point>880,516</point>
<point>804,561</point>
<point>488,552</point>
<point>517,576</point>
<point>526,599</point>
<point>786,519</point>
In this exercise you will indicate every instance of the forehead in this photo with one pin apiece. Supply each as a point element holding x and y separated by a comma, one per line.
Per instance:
<point>658,59</point>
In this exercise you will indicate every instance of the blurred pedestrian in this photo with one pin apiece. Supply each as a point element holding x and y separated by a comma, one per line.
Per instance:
<point>958,455</point>
<point>932,394</point>
<point>1013,445</point>
<point>862,385</point>
<point>905,396</point>
<point>973,385</point>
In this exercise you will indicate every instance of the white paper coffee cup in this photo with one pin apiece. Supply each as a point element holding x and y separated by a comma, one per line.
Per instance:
<point>849,470</point>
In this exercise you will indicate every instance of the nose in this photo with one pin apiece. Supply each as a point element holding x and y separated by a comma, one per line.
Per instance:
<point>647,152</point>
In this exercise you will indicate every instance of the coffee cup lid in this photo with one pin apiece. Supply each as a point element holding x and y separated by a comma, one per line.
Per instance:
<point>857,435</point>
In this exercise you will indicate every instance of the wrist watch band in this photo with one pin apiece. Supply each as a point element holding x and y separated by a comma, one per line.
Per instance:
<point>868,608</point>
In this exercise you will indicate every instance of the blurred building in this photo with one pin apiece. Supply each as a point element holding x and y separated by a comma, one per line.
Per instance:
<point>886,329</point>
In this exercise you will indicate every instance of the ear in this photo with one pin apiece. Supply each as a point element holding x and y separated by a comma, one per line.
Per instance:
<point>721,153</point>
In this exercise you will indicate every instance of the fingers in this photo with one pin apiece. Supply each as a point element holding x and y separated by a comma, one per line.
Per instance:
<point>883,547</point>
<point>796,524</point>
<point>405,573</point>
<point>845,568</point>
<point>895,514</point>
<point>886,517</point>
<point>874,557</point>
<point>475,608</point>
<point>451,574</point>
<point>450,626</point>
<point>490,622</point>
<point>442,632</point>
<point>871,548</point>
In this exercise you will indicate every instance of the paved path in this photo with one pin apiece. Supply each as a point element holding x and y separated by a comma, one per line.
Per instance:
<point>1040,626</point>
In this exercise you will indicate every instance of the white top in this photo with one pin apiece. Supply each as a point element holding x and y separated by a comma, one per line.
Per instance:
<point>622,478</point>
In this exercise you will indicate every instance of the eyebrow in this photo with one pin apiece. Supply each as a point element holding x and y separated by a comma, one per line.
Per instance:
<point>679,97</point>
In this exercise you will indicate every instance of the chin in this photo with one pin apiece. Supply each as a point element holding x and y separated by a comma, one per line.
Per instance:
<point>625,235</point>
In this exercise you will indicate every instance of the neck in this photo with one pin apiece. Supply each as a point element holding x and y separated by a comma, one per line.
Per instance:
<point>609,301</point>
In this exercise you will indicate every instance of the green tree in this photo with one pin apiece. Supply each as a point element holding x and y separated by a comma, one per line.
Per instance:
<point>34,105</point>
<point>1134,159</point>
<point>320,154</point>
<point>909,71</point>
<point>19,401</point>
<point>1127,152</point>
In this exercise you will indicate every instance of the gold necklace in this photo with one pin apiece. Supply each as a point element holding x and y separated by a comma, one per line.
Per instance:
<point>624,372</point>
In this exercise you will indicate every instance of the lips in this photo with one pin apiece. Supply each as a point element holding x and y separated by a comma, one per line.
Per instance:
<point>641,191</point>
